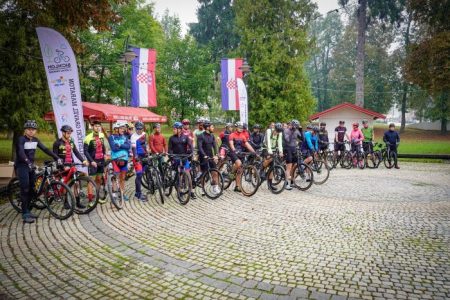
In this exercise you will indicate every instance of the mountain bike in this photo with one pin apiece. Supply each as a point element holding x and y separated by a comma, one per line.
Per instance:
<point>153,177</point>
<point>109,185</point>
<point>210,181</point>
<point>48,193</point>
<point>389,157</point>
<point>301,174</point>
<point>373,158</point>
<point>274,173</point>
<point>340,158</point>
<point>355,157</point>
<point>248,174</point>
<point>176,175</point>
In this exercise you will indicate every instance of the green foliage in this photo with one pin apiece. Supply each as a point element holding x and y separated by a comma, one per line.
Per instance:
<point>274,40</point>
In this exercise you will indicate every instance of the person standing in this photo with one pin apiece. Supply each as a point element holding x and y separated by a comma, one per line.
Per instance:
<point>392,139</point>
<point>24,164</point>
<point>368,137</point>
<point>323,137</point>
<point>340,133</point>
<point>207,149</point>
<point>120,147</point>
<point>290,139</point>
<point>138,142</point>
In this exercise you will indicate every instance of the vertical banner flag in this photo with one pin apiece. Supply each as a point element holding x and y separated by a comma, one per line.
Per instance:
<point>243,103</point>
<point>230,69</point>
<point>143,84</point>
<point>63,82</point>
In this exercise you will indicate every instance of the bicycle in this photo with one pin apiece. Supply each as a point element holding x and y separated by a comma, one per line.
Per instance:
<point>274,172</point>
<point>302,175</point>
<point>355,157</point>
<point>208,179</point>
<point>48,193</point>
<point>389,157</point>
<point>152,176</point>
<point>373,158</point>
<point>320,169</point>
<point>340,158</point>
<point>225,166</point>
<point>79,184</point>
<point>61,57</point>
<point>175,175</point>
<point>109,185</point>
<point>248,174</point>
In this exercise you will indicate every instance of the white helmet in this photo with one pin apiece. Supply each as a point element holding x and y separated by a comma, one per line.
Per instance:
<point>119,124</point>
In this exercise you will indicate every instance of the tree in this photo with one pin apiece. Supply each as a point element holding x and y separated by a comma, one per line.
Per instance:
<point>215,28</point>
<point>23,85</point>
<point>427,63</point>
<point>274,40</point>
<point>368,11</point>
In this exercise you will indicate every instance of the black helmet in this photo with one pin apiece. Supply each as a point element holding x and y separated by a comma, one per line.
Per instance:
<point>139,125</point>
<point>206,124</point>
<point>156,125</point>
<point>323,124</point>
<point>256,126</point>
<point>30,124</point>
<point>66,128</point>
<point>278,127</point>
<point>315,129</point>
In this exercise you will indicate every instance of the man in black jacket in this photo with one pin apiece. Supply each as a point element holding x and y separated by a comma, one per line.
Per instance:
<point>392,139</point>
<point>207,149</point>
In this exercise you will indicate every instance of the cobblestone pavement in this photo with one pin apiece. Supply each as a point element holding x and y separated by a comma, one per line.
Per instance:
<point>387,236</point>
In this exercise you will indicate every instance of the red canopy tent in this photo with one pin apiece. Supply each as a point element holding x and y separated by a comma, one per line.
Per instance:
<point>112,113</point>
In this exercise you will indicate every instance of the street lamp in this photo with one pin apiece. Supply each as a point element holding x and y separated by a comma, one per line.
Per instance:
<point>245,68</point>
<point>126,58</point>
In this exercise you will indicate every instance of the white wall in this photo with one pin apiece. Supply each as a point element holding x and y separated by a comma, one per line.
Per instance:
<point>345,114</point>
<point>428,125</point>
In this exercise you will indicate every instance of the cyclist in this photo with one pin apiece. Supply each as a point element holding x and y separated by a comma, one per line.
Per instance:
<point>340,133</point>
<point>199,130</point>
<point>180,144</point>
<point>94,150</point>
<point>290,141</point>
<point>207,148</point>
<point>238,142</point>
<point>64,148</point>
<point>392,138</point>
<point>120,147</point>
<point>323,137</point>
<point>24,165</point>
<point>368,137</point>
<point>256,138</point>
<point>224,135</point>
<point>129,130</point>
<point>356,138</point>
<point>273,141</point>
<point>139,147</point>
<point>186,131</point>
<point>310,144</point>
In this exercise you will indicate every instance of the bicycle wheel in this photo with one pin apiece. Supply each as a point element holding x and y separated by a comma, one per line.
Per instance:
<point>361,160</point>
<point>80,190</point>
<point>169,175</point>
<point>150,181</point>
<point>389,160</point>
<point>144,178</point>
<point>277,183</point>
<point>59,200</point>
<point>303,177</point>
<point>225,170</point>
<point>157,184</point>
<point>330,159</point>
<point>347,160</point>
<point>321,173</point>
<point>250,180</point>
<point>115,192</point>
<point>212,184</point>
<point>14,194</point>
<point>372,160</point>
<point>102,191</point>
<point>184,187</point>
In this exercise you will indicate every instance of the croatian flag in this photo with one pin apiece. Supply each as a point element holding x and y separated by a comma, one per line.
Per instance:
<point>143,84</point>
<point>230,73</point>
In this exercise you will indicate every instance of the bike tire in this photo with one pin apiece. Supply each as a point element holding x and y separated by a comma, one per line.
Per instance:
<point>207,185</point>
<point>361,160</point>
<point>303,177</point>
<point>114,191</point>
<point>225,170</point>
<point>156,178</point>
<point>278,182</point>
<point>59,200</point>
<point>389,160</point>
<point>321,174</point>
<point>372,161</point>
<point>102,191</point>
<point>13,190</point>
<point>183,187</point>
<point>89,205</point>
<point>168,179</point>
<point>250,180</point>
<point>347,160</point>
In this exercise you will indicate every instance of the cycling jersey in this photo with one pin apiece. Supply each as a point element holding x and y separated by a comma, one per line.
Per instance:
<point>180,144</point>
<point>139,144</point>
<point>368,134</point>
<point>239,139</point>
<point>188,133</point>
<point>273,141</point>
<point>207,145</point>
<point>356,136</point>
<point>256,140</point>
<point>94,146</point>
<point>26,149</point>
<point>310,142</point>
<point>247,134</point>
<point>64,149</point>
<point>157,143</point>
<point>291,137</point>
<point>224,137</point>
<point>341,130</point>
<point>120,146</point>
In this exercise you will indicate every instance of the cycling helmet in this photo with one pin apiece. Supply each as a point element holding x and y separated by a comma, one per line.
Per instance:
<point>178,125</point>
<point>245,125</point>
<point>119,124</point>
<point>355,124</point>
<point>278,127</point>
<point>315,129</point>
<point>66,128</point>
<point>228,125</point>
<point>323,124</point>
<point>156,125</point>
<point>239,125</point>
<point>207,124</point>
<point>256,126</point>
<point>309,126</point>
<point>139,125</point>
<point>365,121</point>
<point>200,120</point>
<point>341,122</point>
<point>186,122</point>
<point>295,123</point>
<point>96,122</point>
<point>30,124</point>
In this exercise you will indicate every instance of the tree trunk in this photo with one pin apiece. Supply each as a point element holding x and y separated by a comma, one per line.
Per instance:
<point>403,108</point>
<point>16,136</point>
<point>445,111</point>
<point>359,72</point>
<point>99,92</point>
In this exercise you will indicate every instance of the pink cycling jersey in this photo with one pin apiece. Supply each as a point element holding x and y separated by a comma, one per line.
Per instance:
<point>356,135</point>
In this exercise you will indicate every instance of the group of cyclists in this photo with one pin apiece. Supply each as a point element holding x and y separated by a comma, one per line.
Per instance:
<point>128,143</point>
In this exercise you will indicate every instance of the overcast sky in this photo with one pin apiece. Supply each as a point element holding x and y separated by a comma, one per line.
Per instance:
<point>186,9</point>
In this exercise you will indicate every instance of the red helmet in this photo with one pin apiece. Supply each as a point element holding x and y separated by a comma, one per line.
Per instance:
<point>186,122</point>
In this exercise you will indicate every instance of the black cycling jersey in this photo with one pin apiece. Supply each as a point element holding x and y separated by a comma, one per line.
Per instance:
<point>256,140</point>
<point>180,144</point>
<point>323,136</point>
<point>207,144</point>
<point>59,148</point>
<point>224,137</point>
<point>26,148</point>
